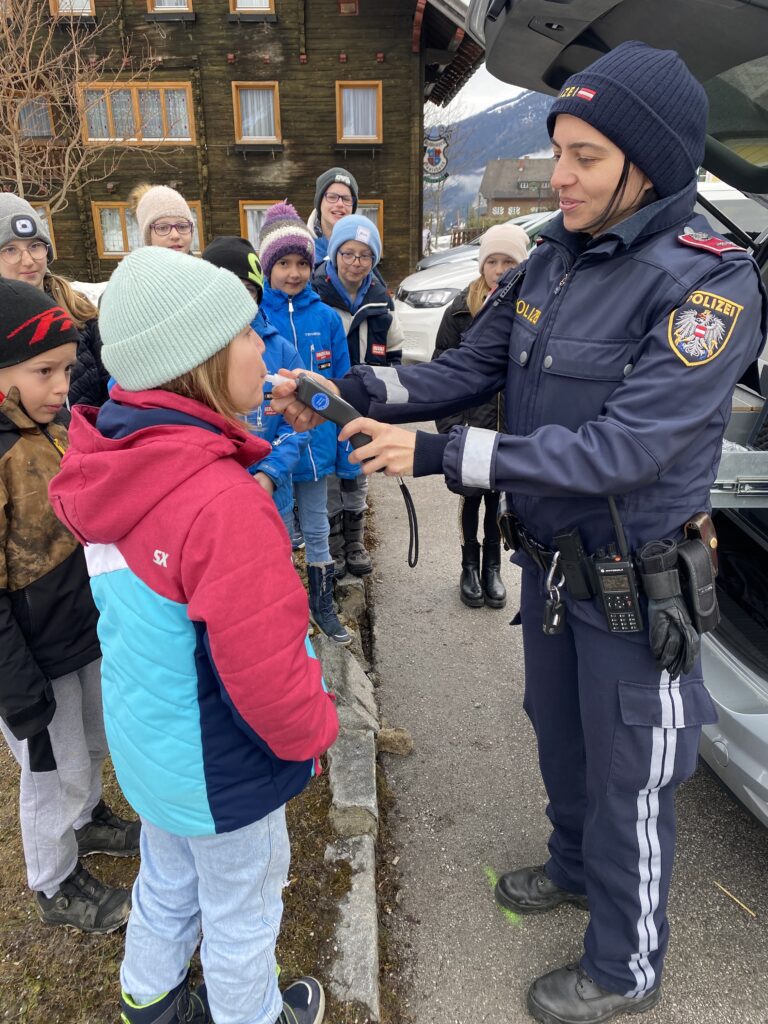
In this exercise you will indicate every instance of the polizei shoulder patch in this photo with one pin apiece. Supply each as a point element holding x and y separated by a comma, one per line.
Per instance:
<point>699,330</point>
<point>701,240</point>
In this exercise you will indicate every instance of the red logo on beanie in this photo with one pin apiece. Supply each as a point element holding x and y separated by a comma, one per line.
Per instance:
<point>43,323</point>
<point>586,94</point>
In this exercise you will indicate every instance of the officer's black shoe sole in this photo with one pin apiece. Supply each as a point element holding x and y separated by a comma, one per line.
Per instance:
<point>569,996</point>
<point>538,901</point>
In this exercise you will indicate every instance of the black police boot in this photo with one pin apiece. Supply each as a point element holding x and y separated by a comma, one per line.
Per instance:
<point>494,590</point>
<point>358,560</point>
<point>569,996</point>
<point>336,544</point>
<point>470,589</point>
<point>321,610</point>
<point>532,891</point>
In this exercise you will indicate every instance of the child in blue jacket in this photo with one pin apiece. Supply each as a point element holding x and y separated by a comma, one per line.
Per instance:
<point>318,338</point>
<point>275,472</point>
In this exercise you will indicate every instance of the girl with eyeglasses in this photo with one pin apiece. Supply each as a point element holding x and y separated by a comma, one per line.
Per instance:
<point>163,216</point>
<point>336,195</point>
<point>346,281</point>
<point>25,251</point>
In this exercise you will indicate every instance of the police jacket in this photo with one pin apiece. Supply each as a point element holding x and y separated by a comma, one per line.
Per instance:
<point>456,320</point>
<point>374,334</point>
<point>619,355</point>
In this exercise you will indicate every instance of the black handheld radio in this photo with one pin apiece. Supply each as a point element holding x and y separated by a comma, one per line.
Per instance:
<point>617,583</point>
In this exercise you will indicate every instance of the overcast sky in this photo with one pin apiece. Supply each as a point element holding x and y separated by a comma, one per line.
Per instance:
<point>481,92</point>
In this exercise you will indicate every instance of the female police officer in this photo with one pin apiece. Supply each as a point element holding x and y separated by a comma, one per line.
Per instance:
<point>619,347</point>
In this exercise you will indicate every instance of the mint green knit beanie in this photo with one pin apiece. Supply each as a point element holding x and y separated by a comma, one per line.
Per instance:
<point>163,313</point>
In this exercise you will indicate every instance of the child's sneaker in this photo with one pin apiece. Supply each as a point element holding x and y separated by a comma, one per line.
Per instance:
<point>85,903</point>
<point>179,1006</point>
<point>106,833</point>
<point>303,1003</point>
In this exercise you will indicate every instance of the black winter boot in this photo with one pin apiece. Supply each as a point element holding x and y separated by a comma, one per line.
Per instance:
<point>179,1006</point>
<point>85,903</point>
<point>336,544</point>
<point>358,560</point>
<point>106,833</point>
<point>470,590</point>
<point>321,610</point>
<point>494,590</point>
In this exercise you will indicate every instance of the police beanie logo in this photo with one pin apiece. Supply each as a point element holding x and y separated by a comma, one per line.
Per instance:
<point>23,227</point>
<point>578,92</point>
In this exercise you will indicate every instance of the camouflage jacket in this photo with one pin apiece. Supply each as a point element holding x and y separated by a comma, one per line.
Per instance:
<point>47,614</point>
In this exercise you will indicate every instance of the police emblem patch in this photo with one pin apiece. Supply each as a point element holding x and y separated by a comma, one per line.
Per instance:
<point>699,330</point>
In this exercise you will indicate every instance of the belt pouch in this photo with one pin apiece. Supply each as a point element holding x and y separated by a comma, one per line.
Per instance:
<point>574,564</point>
<point>697,580</point>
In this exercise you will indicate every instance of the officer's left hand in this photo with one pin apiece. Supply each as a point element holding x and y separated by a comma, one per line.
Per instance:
<point>391,448</point>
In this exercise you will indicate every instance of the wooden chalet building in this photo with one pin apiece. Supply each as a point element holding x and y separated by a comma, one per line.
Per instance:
<point>249,100</point>
<point>512,187</point>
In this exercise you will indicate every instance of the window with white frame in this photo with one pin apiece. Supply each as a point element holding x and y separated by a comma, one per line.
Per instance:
<point>359,112</point>
<point>257,112</point>
<point>139,113</point>
<point>252,217</point>
<point>35,121</point>
<point>117,230</point>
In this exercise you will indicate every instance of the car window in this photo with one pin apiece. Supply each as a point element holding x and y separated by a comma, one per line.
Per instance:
<point>738,110</point>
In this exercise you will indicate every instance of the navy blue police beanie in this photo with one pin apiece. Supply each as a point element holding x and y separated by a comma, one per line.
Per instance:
<point>647,103</point>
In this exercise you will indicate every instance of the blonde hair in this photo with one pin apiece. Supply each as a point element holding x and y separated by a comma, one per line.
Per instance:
<point>476,295</point>
<point>207,384</point>
<point>61,291</point>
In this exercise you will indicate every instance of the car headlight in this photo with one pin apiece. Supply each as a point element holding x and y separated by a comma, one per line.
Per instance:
<point>431,298</point>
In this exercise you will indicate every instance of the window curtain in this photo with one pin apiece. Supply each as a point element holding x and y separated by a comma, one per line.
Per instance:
<point>253,5</point>
<point>254,219</point>
<point>371,212</point>
<point>132,230</point>
<point>151,114</point>
<point>177,115</point>
<point>35,120</point>
<point>74,6</point>
<point>173,4</point>
<point>122,113</point>
<point>257,113</point>
<point>359,113</point>
<point>96,114</point>
<point>111,230</point>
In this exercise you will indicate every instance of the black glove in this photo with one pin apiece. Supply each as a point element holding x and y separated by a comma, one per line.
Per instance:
<point>674,642</point>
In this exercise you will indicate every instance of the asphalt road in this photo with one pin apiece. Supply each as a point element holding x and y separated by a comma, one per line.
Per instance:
<point>469,804</point>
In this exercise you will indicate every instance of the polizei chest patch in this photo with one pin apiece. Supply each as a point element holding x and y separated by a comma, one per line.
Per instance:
<point>699,330</point>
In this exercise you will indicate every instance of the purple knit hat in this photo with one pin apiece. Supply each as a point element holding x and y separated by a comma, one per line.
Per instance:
<point>284,232</point>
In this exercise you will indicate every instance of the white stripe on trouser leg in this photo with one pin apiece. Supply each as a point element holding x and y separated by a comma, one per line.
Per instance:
<point>397,394</point>
<point>477,458</point>
<point>663,752</point>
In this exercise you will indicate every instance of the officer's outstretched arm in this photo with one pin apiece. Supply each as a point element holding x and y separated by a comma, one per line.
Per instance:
<point>676,401</point>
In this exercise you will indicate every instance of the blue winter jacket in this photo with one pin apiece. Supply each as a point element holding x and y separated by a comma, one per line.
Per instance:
<point>618,354</point>
<point>288,445</point>
<point>317,335</point>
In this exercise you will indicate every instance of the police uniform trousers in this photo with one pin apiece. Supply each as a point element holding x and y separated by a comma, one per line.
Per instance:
<point>616,736</point>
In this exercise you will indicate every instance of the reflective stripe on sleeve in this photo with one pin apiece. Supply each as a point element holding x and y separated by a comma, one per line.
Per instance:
<point>477,457</point>
<point>397,394</point>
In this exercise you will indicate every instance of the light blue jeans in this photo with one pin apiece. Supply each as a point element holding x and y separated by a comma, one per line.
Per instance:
<point>229,887</point>
<point>312,503</point>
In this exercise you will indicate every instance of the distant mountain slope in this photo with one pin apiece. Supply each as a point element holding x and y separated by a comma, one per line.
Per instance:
<point>516,127</point>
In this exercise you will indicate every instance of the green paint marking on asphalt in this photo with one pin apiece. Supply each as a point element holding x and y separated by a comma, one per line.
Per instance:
<point>493,878</point>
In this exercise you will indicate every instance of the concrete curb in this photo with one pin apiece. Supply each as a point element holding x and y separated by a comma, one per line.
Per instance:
<point>354,809</point>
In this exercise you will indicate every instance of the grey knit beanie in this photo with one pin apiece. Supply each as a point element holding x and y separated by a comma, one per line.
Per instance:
<point>331,177</point>
<point>18,220</point>
<point>164,313</point>
<point>646,102</point>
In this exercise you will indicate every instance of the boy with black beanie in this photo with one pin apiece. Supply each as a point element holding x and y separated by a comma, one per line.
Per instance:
<point>50,679</point>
